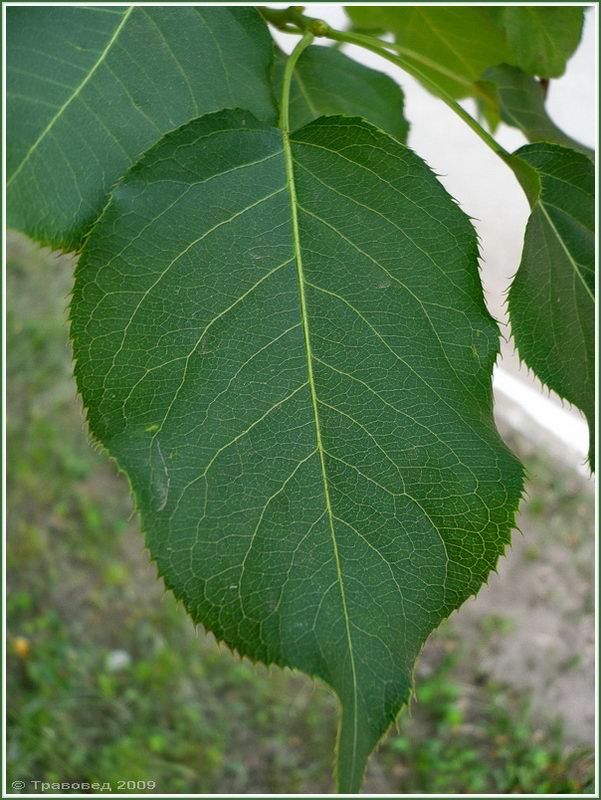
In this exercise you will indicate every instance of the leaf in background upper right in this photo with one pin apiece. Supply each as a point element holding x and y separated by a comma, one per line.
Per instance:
<point>522,105</point>
<point>542,38</point>
<point>452,46</point>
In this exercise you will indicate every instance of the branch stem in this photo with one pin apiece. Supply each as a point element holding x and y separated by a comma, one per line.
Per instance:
<point>292,20</point>
<point>381,48</point>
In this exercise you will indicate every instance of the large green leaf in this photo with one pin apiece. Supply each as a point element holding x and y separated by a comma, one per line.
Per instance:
<point>541,38</point>
<point>552,297</point>
<point>452,46</point>
<point>522,104</point>
<point>326,81</point>
<point>89,89</point>
<point>285,346</point>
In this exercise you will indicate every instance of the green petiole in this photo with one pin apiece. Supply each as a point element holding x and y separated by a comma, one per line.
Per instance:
<point>290,64</point>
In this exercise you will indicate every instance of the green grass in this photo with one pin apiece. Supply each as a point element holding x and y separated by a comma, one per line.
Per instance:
<point>481,739</point>
<point>109,681</point>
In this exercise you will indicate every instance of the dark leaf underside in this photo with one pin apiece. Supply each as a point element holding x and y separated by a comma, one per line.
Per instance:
<point>90,89</point>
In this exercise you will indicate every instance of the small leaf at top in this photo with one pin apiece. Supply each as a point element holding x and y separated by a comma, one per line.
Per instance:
<point>90,88</point>
<point>284,343</point>
<point>552,297</point>
<point>326,81</point>
<point>452,46</point>
<point>541,38</point>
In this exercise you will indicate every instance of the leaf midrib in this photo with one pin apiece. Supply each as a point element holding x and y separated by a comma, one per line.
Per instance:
<point>566,250</point>
<point>539,24</point>
<point>71,97</point>
<point>288,160</point>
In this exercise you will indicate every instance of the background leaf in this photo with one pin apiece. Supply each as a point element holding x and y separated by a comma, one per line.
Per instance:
<point>453,46</point>
<point>89,89</point>
<point>326,81</point>
<point>292,360</point>
<point>552,297</point>
<point>522,104</point>
<point>542,38</point>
